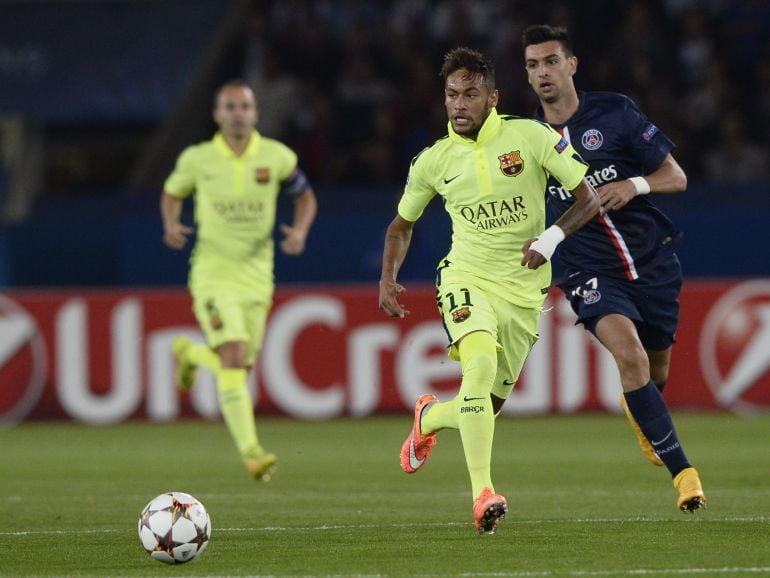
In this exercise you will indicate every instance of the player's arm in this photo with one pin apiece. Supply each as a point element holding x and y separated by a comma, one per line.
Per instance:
<point>540,249</point>
<point>174,232</point>
<point>668,178</point>
<point>397,240</point>
<point>305,209</point>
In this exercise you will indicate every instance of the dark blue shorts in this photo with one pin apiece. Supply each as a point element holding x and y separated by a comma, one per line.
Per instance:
<point>651,302</point>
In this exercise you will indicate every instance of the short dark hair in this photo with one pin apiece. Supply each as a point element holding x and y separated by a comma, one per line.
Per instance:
<point>233,82</point>
<point>539,33</point>
<point>471,60</point>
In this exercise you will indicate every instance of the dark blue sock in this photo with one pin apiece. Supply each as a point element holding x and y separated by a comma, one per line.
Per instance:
<point>650,412</point>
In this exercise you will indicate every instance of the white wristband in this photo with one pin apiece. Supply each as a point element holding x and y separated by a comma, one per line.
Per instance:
<point>546,242</point>
<point>641,185</point>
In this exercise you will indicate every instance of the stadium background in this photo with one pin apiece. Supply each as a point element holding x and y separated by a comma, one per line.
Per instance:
<point>98,98</point>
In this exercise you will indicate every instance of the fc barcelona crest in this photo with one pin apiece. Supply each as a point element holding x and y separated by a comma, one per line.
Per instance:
<point>460,315</point>
<point>262,175</point>
<point>511,164</point>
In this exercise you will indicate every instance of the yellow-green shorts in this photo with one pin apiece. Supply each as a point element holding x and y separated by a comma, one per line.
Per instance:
<point>225,315</point>
<point>468,303</point>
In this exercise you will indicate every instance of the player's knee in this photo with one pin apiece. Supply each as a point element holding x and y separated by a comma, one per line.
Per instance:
<point>478,358</point>
<point>480,367</point>
<point>232,355</point>
<point>631,358</point>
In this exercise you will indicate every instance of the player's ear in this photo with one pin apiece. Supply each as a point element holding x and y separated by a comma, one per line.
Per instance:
<point>494,97</point>
<point>573,65</point>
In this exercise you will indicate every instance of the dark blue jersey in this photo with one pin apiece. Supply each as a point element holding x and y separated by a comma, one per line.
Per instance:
<point>617,141</point>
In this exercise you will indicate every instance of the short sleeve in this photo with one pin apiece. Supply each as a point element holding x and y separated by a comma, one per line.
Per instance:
<point>181,182</point>
<point>288,162</point>
<point>418,190</point>
<point>646,141</point>
<point>561,160</point>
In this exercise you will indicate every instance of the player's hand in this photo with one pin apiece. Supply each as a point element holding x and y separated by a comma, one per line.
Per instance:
<point>389,291</point>
<point>531,258</point>
<point>175,235</point>
<point>616,195</point>
<point>293,242</point>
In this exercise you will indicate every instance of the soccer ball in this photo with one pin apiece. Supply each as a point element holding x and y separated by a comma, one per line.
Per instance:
<point>174,528</point>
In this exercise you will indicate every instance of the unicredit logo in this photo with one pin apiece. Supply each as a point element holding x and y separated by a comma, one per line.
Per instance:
<point>735,347</point>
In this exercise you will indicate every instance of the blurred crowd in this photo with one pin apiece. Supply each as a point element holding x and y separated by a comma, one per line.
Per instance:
<point>353,85</point>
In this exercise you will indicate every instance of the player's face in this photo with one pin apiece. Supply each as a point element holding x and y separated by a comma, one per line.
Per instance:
<point>549,70</point>
<point>468,102</point>
<point>236,111</point>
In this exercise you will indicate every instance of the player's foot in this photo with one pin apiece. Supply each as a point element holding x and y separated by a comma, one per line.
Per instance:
<point>489,509</point>
<point>262,467</point>
<point>691,497</point>
<point>644,444</point>
<point>417,447</point>
<point>185,369</point>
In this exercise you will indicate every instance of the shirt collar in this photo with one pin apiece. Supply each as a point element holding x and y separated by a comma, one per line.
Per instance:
<point>486,133</point>
<point>251,149</point>
<point>540,113</point>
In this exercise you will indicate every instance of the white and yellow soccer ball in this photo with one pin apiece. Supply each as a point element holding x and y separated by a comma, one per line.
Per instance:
<point>174,528</point>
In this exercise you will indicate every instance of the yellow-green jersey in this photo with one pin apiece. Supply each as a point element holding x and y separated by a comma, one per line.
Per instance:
<point>494,191</point>
<point>235,206</point>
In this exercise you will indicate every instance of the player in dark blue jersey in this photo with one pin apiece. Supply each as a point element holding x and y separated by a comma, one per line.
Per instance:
<point>621,274</point>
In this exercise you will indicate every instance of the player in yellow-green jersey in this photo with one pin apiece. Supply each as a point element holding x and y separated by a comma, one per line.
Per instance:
<point>235,179</point>
<point>490,171</point>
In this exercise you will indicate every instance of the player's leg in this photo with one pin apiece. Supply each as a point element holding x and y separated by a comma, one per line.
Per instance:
<point>659,362</point>
<point>465,310</point>
<point>517,333</point>
<point>223,321</point>
<point>461,315</point>
<point>476,421</point>
<point>593,297</point>
<point>657,299</point>
<point>234,399</point>
<point>189,356</point>
<point>259,463</point>
<point>437,415</point>
<point>645,403</point>
<point>237,409</point>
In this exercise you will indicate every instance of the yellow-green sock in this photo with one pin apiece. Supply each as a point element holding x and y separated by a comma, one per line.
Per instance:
<point>237,410</point>
<point>439,416</point>
<point>476,420</point>
<point>203,356</point>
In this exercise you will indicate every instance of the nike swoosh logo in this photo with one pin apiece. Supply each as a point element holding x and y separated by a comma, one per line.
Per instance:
<point>447,181</point>
<point>471,398</point>
<point>664,439</point>
<point>506,382</point>
<point>413,461</point>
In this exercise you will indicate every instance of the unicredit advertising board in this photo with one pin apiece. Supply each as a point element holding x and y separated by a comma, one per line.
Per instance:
<point>105,356</point>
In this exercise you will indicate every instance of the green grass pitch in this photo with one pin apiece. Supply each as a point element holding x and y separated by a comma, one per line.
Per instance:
<point>583,501</point>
